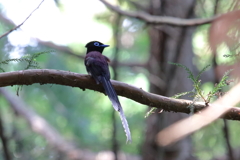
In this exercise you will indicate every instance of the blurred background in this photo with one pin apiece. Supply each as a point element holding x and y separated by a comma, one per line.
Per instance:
<point>74,121</point>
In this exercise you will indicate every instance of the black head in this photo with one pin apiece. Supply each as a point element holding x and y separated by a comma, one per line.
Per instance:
<point>95,46</point>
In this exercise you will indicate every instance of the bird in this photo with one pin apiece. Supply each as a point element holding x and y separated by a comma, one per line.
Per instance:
<point>97,67</point>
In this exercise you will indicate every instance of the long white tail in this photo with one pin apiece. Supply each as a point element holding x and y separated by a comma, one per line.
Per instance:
<point>125,126</point>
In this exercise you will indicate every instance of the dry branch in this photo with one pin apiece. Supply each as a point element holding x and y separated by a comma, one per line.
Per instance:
<point>18,26</point>
<point>48,76</point>
<point>160,19</point>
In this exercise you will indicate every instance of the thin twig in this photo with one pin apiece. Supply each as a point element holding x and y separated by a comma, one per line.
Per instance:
<point>5,34</point>
<point>151,19</point>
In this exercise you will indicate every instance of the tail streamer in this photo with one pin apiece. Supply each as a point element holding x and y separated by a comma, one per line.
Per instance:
<point>117,106</point>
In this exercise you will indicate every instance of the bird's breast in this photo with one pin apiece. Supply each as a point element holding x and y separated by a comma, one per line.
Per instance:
<point>96,56</point>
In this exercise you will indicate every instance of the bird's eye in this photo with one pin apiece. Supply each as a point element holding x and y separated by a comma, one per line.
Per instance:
<point>96,44</point>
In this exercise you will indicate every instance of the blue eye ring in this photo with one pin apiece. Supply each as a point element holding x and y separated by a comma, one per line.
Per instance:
<point>96,44</point>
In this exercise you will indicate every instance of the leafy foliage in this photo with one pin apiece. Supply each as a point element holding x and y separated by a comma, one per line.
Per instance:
<point>29,59</point>
<point>150,111</point>
<point>196,80</point>
<point>219,86</point>
<point>197,91</point>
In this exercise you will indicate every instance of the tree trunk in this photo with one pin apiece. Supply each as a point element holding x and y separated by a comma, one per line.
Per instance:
<point>169,44</point>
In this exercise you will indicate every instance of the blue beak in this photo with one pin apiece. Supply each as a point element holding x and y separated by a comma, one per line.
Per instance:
<point>104,45</point>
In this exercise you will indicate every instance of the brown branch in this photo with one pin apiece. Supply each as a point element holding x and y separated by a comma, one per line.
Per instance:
<point>40,126</point>
<point>18,26</point>
<point>48,76</point>
<point>160,19</point>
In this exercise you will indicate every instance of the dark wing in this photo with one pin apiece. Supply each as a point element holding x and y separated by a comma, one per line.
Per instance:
<point>97,67</point>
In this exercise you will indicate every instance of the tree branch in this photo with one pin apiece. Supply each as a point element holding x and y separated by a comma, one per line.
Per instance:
<point>48,76</point>
<point>159,19</point>
<point>18,26</point>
